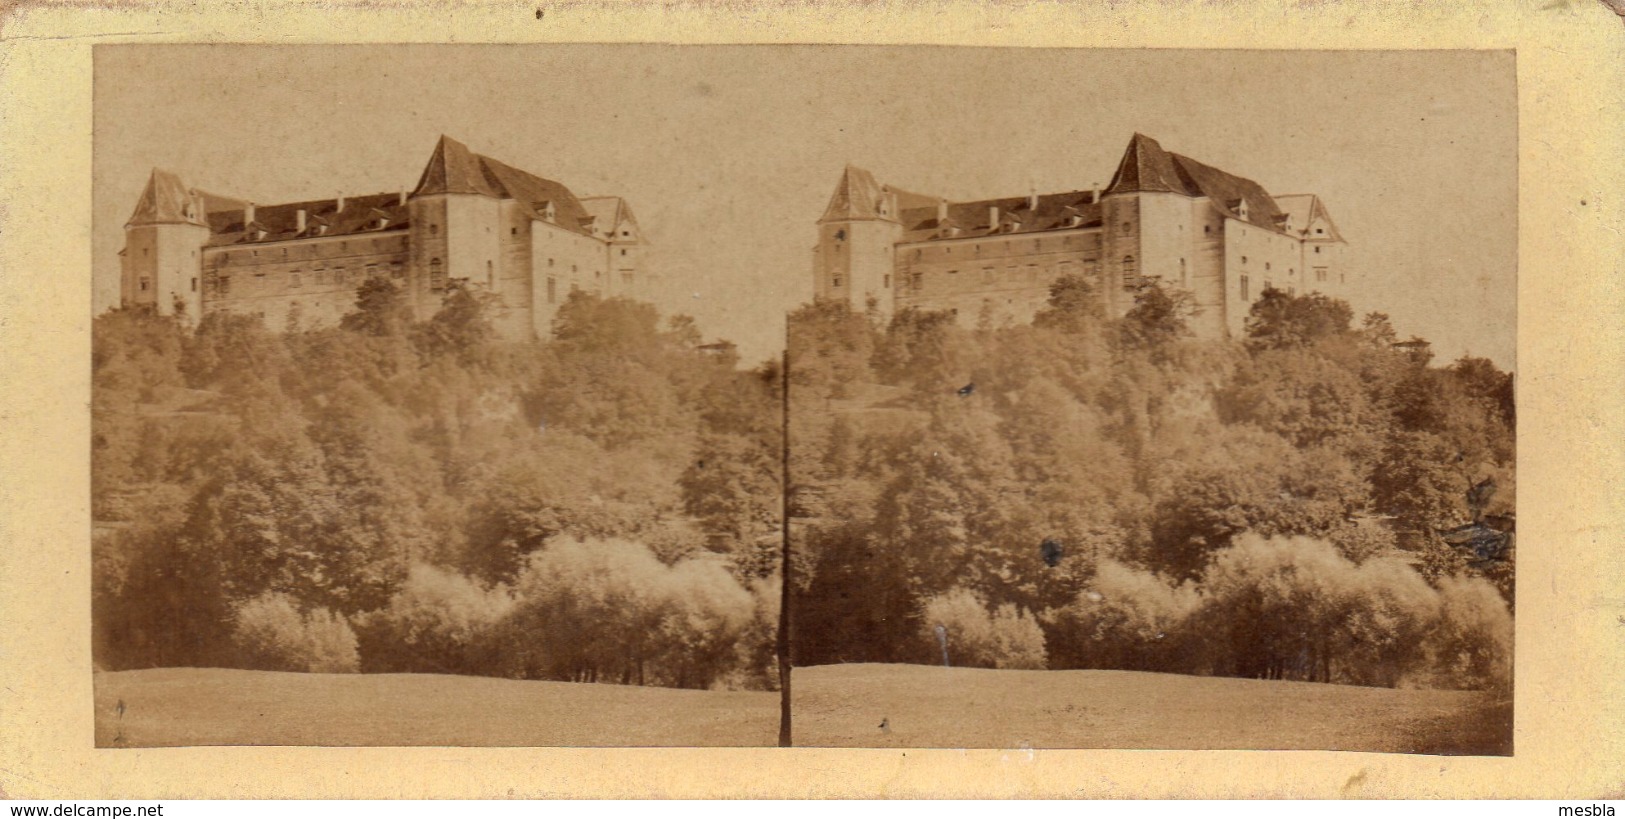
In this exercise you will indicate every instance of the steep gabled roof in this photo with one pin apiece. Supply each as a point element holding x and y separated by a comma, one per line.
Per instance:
<point>532,191</point>
<point>612,214</point>
<point>1146,167</point>
<point>452,169</point>
<point>455,169</point>
<point>1307,210</point>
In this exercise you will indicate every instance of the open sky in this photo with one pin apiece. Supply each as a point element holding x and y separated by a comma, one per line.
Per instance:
<point>728,154</point>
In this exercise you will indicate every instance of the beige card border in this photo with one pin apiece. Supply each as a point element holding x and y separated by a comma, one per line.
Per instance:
<point>1570,736</point>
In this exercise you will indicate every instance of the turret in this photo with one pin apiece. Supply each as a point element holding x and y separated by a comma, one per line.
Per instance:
<point>163,247</point>
<point>853,261</point>
<point>454,214</point>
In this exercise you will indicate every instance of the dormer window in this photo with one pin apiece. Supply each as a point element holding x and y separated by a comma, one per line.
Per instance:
<point>548,211</point>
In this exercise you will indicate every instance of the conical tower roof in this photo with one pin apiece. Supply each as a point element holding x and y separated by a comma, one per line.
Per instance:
<point>167,200</point>
<point>1146,167</point>
<point>453,169</point>
<point>857,196</point>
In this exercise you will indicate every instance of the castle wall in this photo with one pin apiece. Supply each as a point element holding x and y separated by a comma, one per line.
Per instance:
<point>563,261</point>
<point>514,288</point>
<point>627,276</point>
<point>997,280</point>
<point>856,261</point>
<point>1322,268</point>
<point>312,281</point>
<point>473,241</point>
<point>1207,281</point>
<point>1121,255</point>
<point>1257,259</point>
<point>161,267</point>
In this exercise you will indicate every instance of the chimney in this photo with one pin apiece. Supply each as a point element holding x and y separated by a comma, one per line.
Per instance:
<point>1032,195</point>
<point>1096,193</point>
<point>339,203</point>
<point>403,199</point>
<point>248,215</point>
<point>942,211</point>
<point>299,220</point>
<point>992,216</point>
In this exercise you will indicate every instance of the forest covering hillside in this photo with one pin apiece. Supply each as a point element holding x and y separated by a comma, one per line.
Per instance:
<point>402,496</point>
<point>378,496</point>
<point>1089,492</point>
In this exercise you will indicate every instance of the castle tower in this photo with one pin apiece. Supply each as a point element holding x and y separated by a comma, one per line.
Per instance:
<point>163,242</point>
<point>613,222</point>
<point>1145,224</point>
<point>456,216</point>
<point>854,259</point>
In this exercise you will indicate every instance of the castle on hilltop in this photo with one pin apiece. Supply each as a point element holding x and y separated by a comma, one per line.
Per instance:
<point>528,240</point>
<point>1164,217</point>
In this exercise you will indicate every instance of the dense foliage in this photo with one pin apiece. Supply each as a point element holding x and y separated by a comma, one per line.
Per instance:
<point>393,495</point>
<point>1268,507</point>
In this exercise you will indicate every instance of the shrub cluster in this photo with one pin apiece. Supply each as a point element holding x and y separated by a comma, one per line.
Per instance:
<point>960,625</point>
<point>1294,609</point>
<point>582,611</point>
<point>272,634</point>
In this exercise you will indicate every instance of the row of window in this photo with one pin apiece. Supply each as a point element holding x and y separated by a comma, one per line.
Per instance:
<point>1130,275</point>
<point>1014,246</point>
<point>1321,275</point>
<point>308,251</point>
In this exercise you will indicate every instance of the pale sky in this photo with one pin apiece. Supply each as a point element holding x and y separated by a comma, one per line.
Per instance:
<point>728,154</point>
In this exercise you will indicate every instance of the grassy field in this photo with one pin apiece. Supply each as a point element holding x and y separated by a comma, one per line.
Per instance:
<point>838,706</point>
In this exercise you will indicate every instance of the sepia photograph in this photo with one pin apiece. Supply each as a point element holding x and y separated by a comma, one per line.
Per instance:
<point>828,396</point>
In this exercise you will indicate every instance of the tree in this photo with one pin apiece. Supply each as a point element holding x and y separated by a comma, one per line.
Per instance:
<point>1074,306</point>
<point>380,309</point>
<point>925,350</point>
<point>830,348</point>
<point>1488,386</point>
<point>280,523</point>
<point>591,323</point>
<point>1280,320</point>
<point>732,488</point>
<point>1159,317</point>
<point>462,325</point>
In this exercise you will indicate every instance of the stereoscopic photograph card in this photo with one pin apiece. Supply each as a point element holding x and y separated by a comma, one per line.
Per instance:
<point>733,411</point>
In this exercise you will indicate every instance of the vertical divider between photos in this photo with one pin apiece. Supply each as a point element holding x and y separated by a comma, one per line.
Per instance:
<point>784,549</point>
